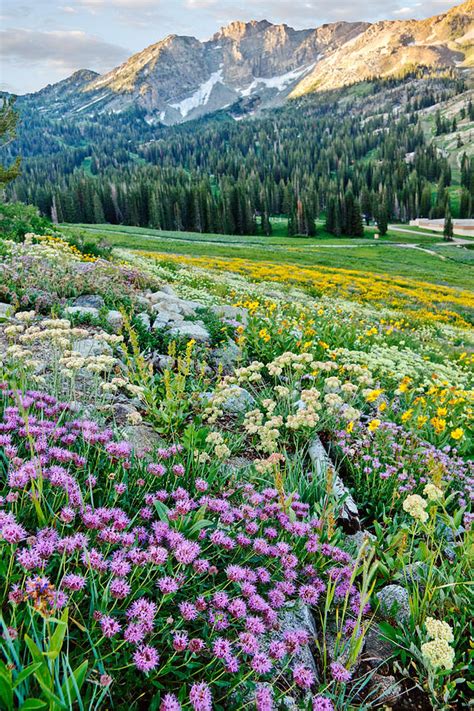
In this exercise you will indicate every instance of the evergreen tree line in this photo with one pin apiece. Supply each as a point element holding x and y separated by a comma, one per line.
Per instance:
<point>342,158</point>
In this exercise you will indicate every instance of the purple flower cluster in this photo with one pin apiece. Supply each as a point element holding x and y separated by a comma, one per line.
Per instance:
<point>157,571</point>
<point>396,462</point>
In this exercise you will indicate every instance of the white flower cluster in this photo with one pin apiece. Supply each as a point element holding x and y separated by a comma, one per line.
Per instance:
<point>267,431</point>
<point>415,505</point>
<point>221,450</point>
<point>308,407</point>
<point>438,652</point>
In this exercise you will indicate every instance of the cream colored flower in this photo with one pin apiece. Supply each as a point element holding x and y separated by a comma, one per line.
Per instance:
<point>432,492</point>
<point>415,505</point>
<point>438,653</point>
<point>438,629</point>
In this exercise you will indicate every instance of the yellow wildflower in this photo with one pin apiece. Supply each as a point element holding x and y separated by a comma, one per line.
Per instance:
<point>374,425</point>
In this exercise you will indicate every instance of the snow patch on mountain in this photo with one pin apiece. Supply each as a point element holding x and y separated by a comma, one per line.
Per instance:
<point>200,96</point>
<point>279,82</point>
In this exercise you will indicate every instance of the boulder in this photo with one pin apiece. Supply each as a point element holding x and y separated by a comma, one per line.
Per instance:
<point>240,401</point>
<point>360,538</point>
<point>81,311</point>
<point>377,649</point>
<point>227,355</point>
<point>234,313</point>
<point>144,319</point>
<point>94,301</point>
<point>298,618</point>
<point>143,438</point>
<point>167,289</point>
<point>164,319</point>
<point>190,329</point>
<point>385,689</point>
<point>166,306</point>
<point>141,301</point>
<point>91,347</point>
<point>122,412</point>
<point>161,361</point>
<point>115,320</point>
<point>394,603</point>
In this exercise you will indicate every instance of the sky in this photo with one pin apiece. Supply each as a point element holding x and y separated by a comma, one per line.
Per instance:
<point>44,41</point>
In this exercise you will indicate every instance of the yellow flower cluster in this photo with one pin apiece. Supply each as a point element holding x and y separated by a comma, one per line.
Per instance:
<point>426,301</point>
<point>61,246</point>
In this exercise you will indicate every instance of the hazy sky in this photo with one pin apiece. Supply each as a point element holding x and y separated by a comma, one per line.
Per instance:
<point>43,41</point>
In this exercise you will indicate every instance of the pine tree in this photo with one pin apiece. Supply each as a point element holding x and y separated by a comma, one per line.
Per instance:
<point>382,219</point>
<point>366,205</point>
<point>448,226</point>
<point>465,204</point>
<point>425,201</point>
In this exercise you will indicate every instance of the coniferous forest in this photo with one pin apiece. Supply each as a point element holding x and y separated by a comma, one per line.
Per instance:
<point>353,155</point>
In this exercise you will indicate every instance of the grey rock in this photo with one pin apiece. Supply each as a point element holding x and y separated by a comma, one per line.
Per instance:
<point>144,319</point>
<point>166,306</point>
<point>416,572</point>
<point>240,401</point>
<point>377,649</point>
<point>94,301</point>
<point>143,438</point>
<point>189,329</point>
<point>121,411</point>
<point>231,312</point>
<point>162,301</point>
<point>6,310</point>
<point>141,301</point>
<point>166,318</point>
<point>167,289</point>
<point>81,311</point>
<point>394,603</point>
<point>91,347</point>
<point>227,355</point>
<point>360,538</point>
<point>298,618</point>
<point>115,320</point>
<point>237,465</point>
<point>383,689</point>
<point>161,361</point>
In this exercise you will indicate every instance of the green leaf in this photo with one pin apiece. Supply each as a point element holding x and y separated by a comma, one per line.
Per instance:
<point>38,658</point>
<point>49,694</point>
<point>31,704</point>
<point>161,510</point>
<point>202,523</point>
<point>25,673</point>
<point>75,680</point>
<point>57,639</point>
<point>6,692</point>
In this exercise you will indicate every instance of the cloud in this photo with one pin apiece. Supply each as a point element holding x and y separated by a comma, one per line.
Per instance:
<point>31,58</point>
<point>117,4</point>
<point>70,48</point>
<point>407,10</point>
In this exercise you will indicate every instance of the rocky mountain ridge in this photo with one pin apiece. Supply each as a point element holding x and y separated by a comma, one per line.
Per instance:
<point>258,63</point>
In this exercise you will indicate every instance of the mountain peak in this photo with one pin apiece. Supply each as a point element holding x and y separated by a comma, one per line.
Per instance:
<point>238,29</point>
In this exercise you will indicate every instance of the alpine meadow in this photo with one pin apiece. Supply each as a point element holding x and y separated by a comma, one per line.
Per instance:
<point>236,356</point>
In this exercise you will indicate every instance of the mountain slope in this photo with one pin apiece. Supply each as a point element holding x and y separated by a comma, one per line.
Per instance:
<point>388,48</point>
<point>261,64</point>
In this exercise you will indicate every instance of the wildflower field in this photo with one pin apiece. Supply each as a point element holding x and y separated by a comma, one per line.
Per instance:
<point>233,484</point>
